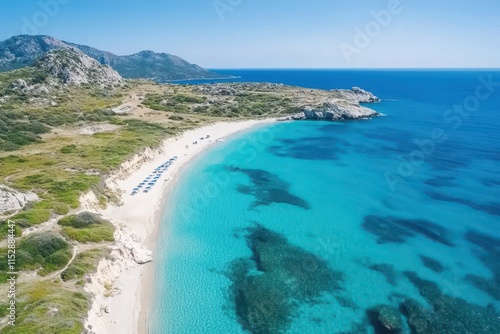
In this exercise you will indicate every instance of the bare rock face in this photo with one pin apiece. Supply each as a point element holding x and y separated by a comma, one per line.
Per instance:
<point>337,111</point>
<point>344,104</point>
<point>356,95</point>
<point>73,67</point>
<point>19,84</point>
<point>140,254</point>
<point>12,200</point>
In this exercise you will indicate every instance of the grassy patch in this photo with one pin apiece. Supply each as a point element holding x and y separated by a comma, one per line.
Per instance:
<point>47,307</point>
<point>84,263</point>
<point>31,217</point>
<point>87,227</point>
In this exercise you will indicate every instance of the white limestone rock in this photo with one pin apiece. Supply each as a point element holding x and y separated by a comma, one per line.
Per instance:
<point>13,200</point>
<point>356,95</point>
<point>140,254</point>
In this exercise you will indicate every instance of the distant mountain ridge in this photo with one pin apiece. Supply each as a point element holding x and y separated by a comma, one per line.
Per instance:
<point>25,50</point>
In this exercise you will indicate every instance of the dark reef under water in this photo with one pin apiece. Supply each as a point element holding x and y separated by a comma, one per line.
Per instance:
<point>268,287</point>
<point>490,208</point>
<point>441,181</point>
<point>389,272</point>
<point>447,314</point>
<point>310,148</point>
<point>268,188</point>
<point>488,251</point>
<point>396,230</point>
<point>432,264</point>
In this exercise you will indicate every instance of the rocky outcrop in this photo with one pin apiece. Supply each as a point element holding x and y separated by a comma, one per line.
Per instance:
<point>35,89</point>
<point>345,105</point>
<point>337,111</point>
<point>13,200</point>
<point>356,95</point>
<point>73,67</point>
<point>140,254</point>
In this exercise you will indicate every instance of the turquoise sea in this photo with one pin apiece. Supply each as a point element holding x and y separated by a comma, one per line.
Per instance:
<point>388,225</point>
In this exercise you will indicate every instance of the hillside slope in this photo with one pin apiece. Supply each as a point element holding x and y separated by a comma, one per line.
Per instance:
<point>24,50</point>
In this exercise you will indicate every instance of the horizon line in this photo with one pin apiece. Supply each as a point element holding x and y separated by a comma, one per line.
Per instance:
<point>352,68</point>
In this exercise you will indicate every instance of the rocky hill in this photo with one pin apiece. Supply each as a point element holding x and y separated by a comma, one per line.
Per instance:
<point>58,76</point>
<point>24,50</point>
<point>73,67</point>
<point>21,51</point>
<point>159,67</point>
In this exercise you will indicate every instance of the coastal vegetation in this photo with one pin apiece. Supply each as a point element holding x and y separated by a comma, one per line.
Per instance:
<point>48,306</point>
<point>87,227</point>
<point>43,252</point>
<point>84,263</point>
<point>233,100</point>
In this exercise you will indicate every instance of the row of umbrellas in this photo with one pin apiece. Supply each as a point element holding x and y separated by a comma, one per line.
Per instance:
<point>150,181</point>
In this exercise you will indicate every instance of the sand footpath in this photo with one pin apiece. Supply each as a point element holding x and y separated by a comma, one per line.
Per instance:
<point>122,287</point>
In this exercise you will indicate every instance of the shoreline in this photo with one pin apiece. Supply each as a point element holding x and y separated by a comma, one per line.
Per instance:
<point>204,79</point>
<point>121,288</point>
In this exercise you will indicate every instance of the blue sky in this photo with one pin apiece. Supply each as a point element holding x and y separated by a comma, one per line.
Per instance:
<point>274,33</point>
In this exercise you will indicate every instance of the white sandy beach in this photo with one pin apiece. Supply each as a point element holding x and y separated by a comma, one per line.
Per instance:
<point>122,288</point>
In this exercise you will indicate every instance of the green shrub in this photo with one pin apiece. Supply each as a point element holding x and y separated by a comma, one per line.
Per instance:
<point>47,251</point>
<point>39,77</point>
<point>87,227</point>
<point>17,131</point>
<point>60,208</point>
<point>68,149</point>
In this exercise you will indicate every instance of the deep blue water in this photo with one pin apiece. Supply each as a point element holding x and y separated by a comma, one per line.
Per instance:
<point>309,227</point>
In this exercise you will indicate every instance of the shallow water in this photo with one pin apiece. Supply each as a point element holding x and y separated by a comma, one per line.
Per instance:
<point>304,227</point>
